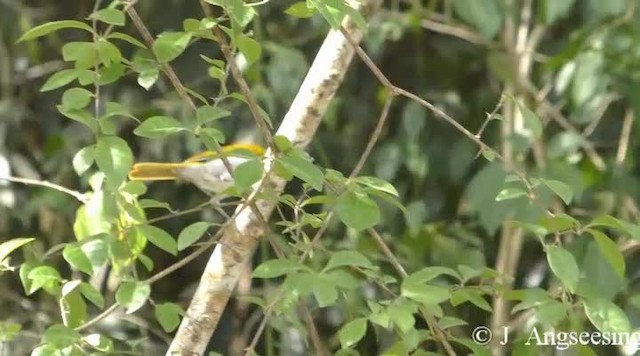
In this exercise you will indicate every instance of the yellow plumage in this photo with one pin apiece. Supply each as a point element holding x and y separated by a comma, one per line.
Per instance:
<point>206,170</point>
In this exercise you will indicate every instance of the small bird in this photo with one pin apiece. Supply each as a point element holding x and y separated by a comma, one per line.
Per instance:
<point>206,170</point>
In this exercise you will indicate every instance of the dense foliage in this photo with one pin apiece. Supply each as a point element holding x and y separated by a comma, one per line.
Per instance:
<point>501,190</point>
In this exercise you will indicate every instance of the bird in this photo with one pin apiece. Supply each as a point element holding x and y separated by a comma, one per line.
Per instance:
<point>206,170</point>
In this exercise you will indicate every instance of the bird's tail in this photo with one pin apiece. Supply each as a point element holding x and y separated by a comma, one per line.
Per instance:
<point>156,171</point>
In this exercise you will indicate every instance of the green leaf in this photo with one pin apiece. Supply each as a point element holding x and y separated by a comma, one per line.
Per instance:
<point>108,53</point>
<point>116,109</point>
<point>44,273</point>
<point>610,251</point>
<point>357,210</point>
<point>342,279</point>
<point>158,127</point>
<point>159,237</point>
<point>192,233</point>
<point>249,47</point>
<point>60,336</point>
<point>50,27</point>
<point>622,226</point>
<point>83,159</point>
<point>73,308</point>
<point>564,266</point>
<point>282,143</point>
<point>81,116</point>
<point>240,13</point>
<point>560,222</point>
<point>510,193</point>
<point>300,10</point>
<point>485,15</point>
<point>147,78</point>
<point>606,316</point>
<point>97,250</point>
<point>470,295</point>
<point>275,268</point>
<point>248,173</point>
<point>332,11</point>
<point>551,312</point>
<point>146,262</point>
<point>168,315</point>
<point>428,273</point>
<point>152,203</point>
<point>58,79</point>
<point>424,293</point>
<point>217,73</point>
<point>531,121</point>
<point>192,25</point>
<point>395,201</point>
<point>209,113</point>
<point>110,16</point>
<point>560,189</point>
<point>133,212</point>
<point>377,184</point>
<point>303,169</point>
<point>348,258</point>
<point>447,322</point>
<point>325,291</point>
<point>92,294</point>
<point>76,98</point>
<point>468,273</point>
<point>92,219</point>
<point>210,136</point>
<point>85,54</point>
<point>126,38</point>
<point>170,45</point>
<point>401,314</point>
<point>7,247</point>
<point>133,295</point>
<point>352,332</point>
<point>114,159</point>
<point>134,188</point>
<point>77,258</point>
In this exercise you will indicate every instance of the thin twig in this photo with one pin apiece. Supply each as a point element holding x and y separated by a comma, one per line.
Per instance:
<point>312,330</point>
<point>82,197</point>
<point>387,252</point>
<point>98,318</point>
<point>373,139</point>
<point>490,116</point>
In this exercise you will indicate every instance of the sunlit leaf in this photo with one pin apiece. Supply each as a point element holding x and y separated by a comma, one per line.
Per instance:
<point>564,266</point>
<point>50,27</point>
<point>133,295</point>
<point>357,210</point>
<point>191,234</point>
<point>168,315</point>
<point>170,45</point>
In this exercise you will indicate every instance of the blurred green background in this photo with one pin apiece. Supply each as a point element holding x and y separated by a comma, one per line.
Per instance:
<point>587,65</point>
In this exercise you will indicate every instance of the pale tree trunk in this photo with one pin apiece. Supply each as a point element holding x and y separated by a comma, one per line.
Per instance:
<point>240,238</point>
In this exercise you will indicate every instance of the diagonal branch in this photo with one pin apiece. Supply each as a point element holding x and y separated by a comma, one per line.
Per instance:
<point>241,237</point>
